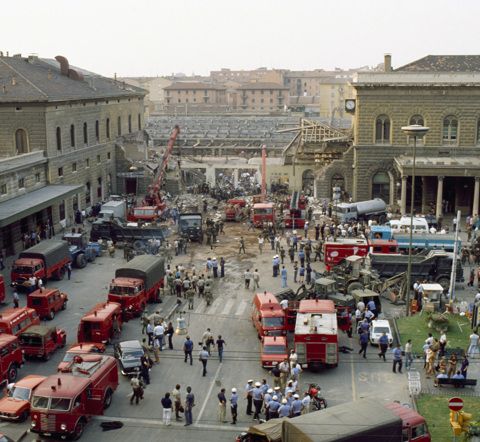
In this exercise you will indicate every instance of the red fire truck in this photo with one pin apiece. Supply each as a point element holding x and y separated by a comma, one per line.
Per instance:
<point>295,218</point>
<point>64,402</point>
<point>137,283</point>
<point>316,336</point>
<point>263,213</point>
<point>336,251</point>
<point>98,325</point>
<point>233,209</point>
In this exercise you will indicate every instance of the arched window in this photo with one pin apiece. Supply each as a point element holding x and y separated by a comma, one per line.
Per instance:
<point>382,130</point>
<point>450,130</point>
<point>21,142</point>
<point>97,130</point>
<point>119,125</point>
<point>72,135</point>
<point>129,124</point>
<point>381,186</point>
<point>85,133</point>
<point>107,128</point>
<point>59,138</point>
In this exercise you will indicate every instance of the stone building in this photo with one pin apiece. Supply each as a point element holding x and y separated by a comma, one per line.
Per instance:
<point>58,131</point>
<point>263,97</point>
<point>440,92</point>
<point>188,96</point>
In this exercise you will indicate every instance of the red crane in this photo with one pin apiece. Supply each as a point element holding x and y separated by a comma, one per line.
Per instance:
<point>153,204</point>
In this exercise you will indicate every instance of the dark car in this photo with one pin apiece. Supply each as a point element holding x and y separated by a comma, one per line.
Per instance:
<point>129,354</point>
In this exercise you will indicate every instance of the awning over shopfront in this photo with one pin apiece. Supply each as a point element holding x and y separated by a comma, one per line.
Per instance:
<point>24,205</point>
<point>435,166</point>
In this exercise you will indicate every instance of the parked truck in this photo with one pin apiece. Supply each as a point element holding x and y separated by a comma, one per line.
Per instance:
<point>435,266</point>
<point>117,232</point>
<point>113,209</point>
<point>190,225</point>
<point>361,211</point>
<point>64,402</point>
<point>46,260</point>
<point>364,420</point>
<point>427,241</point>
<point>137,283</point>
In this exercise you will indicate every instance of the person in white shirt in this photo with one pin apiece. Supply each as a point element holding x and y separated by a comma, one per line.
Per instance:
<point>158,332</point>
<point>306,403</point>
<point>408,354</point>
<point>284,304</point>
<point>473,347</point>
<point>293,357</point>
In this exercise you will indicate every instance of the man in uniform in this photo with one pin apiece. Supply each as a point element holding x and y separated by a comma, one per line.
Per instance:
<point>248,396</point>
<point>257,397</point>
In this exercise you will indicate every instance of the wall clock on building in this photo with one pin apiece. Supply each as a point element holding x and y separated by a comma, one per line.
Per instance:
<point>350,105</point>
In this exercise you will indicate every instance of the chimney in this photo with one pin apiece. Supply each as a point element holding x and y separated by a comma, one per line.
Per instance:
<point>387,62</point>
<point>115,76</point>
<point>64,65</point>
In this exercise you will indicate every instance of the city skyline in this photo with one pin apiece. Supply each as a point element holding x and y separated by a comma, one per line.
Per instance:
<point>197,37</point>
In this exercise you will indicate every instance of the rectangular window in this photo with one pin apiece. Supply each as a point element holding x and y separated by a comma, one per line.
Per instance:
<point>3,189</point>
<point>109,156</point>
<point>97,130</point>
<point>87,162</point>
<point>21,183</point>
<point>60,171</point>
<point>37,177</point>
<point>99,160</point>
<point>74,167</point>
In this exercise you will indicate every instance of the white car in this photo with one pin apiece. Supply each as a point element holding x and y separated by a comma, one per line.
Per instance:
<point>378,328</point>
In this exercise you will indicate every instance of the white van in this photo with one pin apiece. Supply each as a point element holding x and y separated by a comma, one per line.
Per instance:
<point>402,225</point>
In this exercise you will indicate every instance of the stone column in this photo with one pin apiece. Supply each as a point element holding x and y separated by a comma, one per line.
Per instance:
<point>424,195</point>
<point>403,196</point>
<point>235,178</point>
<point>210,175</point>
<point>438,212</point>
<point>476,195</point>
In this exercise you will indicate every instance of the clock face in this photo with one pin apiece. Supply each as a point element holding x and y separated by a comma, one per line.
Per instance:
<point>350,104</point>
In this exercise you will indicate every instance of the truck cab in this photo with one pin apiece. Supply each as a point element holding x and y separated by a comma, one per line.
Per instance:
<point>233,209</point>
<point>47,302</point>
<point>190,226</point>
<point>273,350</point>
<point>80,251</point>
<point>336,251</point>
<point>25,268</point>
<point>40,341</point>
<point>11,358</point>
<point>263,213</point>
<point>268,316</point>
<point>130,294</point>
<point>99,323</point>
<point>384,246</point>
<point>64,402</point>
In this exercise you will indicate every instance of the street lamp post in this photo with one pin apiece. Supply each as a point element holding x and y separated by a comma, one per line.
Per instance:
<point>415,131</point>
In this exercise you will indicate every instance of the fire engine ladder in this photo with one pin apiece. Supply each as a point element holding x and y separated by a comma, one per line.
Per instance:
<point>294,200</point>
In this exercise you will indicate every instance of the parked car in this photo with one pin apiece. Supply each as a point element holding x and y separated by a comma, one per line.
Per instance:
<point>79,349</point>
<point>129,354</point>
<point>16,406</point>
<point>41,341</point>
<point>377,328</point>
<point>46,302</point>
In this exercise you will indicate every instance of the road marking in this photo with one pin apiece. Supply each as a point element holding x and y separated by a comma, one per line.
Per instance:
<point>352,369</point>
<point>207,397</point>
<point>211,310</point>
<point>241,308</point>
<point>157,422</point>
<point>228,306</point>
<point>200,306</point>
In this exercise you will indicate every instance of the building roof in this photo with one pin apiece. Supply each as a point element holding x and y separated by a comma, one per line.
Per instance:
<point>192,85</point>
<point>36,79</point>
<point>259,85</point>
<point>24,205</point>
<point>444,63</point>
<point>101,311</point>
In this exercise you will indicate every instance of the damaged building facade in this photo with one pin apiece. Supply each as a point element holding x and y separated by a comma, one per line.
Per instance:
<point>59,128</point>
<point>440,92</point>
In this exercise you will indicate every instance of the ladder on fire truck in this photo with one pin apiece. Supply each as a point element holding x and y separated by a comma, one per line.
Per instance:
<point>294,200</point>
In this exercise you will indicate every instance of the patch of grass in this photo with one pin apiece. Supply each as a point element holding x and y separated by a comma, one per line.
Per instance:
<point>436,412</point>
<point>416,328</point>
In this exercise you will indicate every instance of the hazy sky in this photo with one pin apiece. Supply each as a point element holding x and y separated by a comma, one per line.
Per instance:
<point>155,37</point>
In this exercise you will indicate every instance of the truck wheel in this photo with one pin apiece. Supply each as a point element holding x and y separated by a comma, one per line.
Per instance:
<point>77,433</point>
<point>444,282</point>
<point>81,261</point>
<point>354,286</point>
<point>51,315</point>
<point>12,373</point>
<point>108,399</point>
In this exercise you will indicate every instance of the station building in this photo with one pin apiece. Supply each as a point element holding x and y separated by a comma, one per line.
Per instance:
<point>59,127</point>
